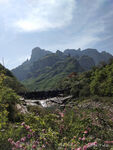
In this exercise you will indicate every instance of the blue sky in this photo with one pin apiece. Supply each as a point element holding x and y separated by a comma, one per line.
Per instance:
<point>53,24</point>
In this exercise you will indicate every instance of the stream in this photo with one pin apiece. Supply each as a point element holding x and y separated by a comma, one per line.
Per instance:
<point>54,101</point>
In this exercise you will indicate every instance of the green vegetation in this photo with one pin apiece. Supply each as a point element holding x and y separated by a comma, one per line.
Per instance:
<point>86,122</point>
<point>98,81</point>
<point>50,76</point>
<point>89,125</point>
<point>8,111</point>
<point>10,81</point>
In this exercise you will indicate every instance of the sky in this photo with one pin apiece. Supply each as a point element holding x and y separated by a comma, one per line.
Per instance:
<point>53,25</point>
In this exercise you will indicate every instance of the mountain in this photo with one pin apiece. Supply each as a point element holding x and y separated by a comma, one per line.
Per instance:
<point>86,62</point>
<point>93,53</point>
<point>45,69</point>
<point>10,81</point>
<point>23,71</point>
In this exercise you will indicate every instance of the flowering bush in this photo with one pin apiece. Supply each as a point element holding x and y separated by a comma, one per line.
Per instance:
<point>61,130</point>
<point>77,128</point>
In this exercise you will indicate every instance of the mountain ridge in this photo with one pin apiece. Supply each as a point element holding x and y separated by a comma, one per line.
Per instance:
<point>44,65</point>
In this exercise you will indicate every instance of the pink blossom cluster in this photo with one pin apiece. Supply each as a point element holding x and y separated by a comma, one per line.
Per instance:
<point>108,142</point>
<point>27,127</point>
<point>23,142</point>
<point>16,145</point>
<point>27,142</point>
<point>61,114</point>
<point>85,147</point>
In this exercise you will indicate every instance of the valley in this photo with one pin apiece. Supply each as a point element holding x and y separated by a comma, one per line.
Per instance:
<point>62,101</point>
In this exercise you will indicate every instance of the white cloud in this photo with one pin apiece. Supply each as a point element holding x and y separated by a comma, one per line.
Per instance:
<point>4,1</point>
<point>38,15</point>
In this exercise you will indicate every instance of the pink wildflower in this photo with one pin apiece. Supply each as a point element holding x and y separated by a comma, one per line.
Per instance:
<point>85,132</point>
<point>91,144</point>
<point>27,127</point>
<point>84,147</point>
<point>23,124</point>
<point>108,142</point>
<point>79,148</point>
<point>23,139</point>
<point>80,138</point>
<point>17,144</point>
<point>30,130</point>
<point>12,143</point>
<point>29,136</point>
<point>21,146</point>
<point>10,140</point>
<point>34,146</point>
<point>61,114</point>
<point>83,139</point>
<point>95,143</point>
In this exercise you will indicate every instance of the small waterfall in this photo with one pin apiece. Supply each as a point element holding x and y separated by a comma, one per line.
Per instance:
<point>43,103</point>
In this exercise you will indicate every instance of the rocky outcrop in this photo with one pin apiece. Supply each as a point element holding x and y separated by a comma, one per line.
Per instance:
<point>38,53</point>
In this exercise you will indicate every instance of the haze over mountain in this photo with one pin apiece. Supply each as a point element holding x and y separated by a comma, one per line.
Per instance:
<point>45,68</point>
<point>97,57</point>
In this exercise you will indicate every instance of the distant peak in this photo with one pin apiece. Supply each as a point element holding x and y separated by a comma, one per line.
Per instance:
<point>38,53</point>
<point>104,52</point>
<point>59,52</point>
<point>36,49</point>
<point>79,49</point>
<point>91,49</point>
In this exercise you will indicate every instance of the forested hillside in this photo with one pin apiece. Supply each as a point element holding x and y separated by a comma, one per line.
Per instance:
<point>98,81</point>
<point>11,81</point>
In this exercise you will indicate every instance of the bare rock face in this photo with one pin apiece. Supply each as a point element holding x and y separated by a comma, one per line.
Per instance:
<point>38,53</point>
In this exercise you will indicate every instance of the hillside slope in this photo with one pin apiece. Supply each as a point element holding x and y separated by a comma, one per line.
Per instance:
<point>49,77</point>
<point>98,81</point>
<point>10,81</point>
